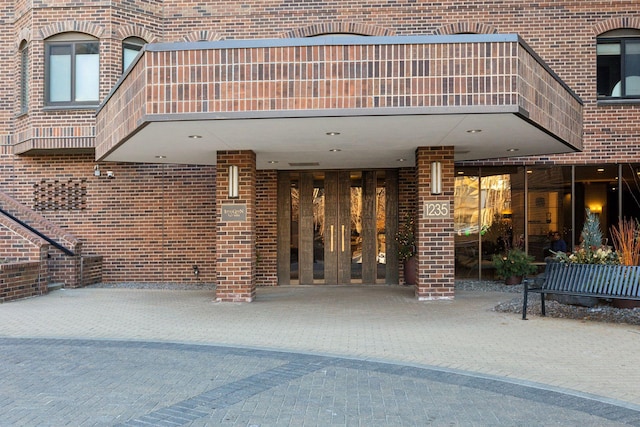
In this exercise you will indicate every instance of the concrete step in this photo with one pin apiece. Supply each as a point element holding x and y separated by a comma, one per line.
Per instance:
<point>55,286</point>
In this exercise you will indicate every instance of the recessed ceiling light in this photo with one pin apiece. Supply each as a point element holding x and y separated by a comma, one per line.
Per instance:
<point>161,157</point>
<point>460,172</point>
<point>512,150</point>
<point>335,150</point>
<point>600,170</point>
<point>272,162</point>
<point>401,160</point>
<point>333,133</point>
<point>195,136</point>
<point>529,171</point>
<point>474,131</point>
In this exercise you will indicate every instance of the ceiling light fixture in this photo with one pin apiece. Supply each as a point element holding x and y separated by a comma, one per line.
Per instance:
<point>335,150</point>
<point>512,150</point>
<point>474,131</point>
<point>272,162</point>
<point>195,136</point>
<point>401,160</point>
<point>161,157</point>
<point>333,133</point>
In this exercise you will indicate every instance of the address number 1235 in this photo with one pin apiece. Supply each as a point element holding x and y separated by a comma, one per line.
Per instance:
<point>436,210</point>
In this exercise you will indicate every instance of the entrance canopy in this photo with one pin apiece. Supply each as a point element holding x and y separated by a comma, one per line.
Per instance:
<point>338,102</point>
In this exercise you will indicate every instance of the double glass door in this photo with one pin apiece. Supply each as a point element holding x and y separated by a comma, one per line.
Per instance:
<point>336,226</point>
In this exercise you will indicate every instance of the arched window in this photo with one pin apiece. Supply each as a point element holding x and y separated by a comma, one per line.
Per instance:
<point>72,64</point>
<point>24,77</point>
<point>619,64</point>
<point>130,48</point>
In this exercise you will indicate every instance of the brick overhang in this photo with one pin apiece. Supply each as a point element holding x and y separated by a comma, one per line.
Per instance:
<point>381,96</point>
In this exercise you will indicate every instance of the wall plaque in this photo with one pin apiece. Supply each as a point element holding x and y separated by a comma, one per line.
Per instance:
<point>437,210</point>
<point>234,212</point>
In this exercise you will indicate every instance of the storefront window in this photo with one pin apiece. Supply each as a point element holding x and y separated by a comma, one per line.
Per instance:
<point>549,209</point>
<point>467,222</point>
<point>488,218</point>
<point>489,209</point>
<point>630,190</point>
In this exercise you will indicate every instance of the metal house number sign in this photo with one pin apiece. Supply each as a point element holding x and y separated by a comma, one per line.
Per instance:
<point>437,210</point>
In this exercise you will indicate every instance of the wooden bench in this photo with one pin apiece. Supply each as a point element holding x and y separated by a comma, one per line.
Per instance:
<point>589,280</point>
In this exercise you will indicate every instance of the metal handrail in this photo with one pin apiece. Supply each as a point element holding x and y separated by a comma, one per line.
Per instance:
<point>38,233</point>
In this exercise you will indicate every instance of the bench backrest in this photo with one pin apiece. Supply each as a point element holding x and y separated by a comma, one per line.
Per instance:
<point>610,280</point>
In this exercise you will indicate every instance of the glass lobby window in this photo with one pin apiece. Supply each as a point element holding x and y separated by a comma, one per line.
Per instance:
<point>502,213</point>
<point>549,209</point>
<point>24,77</point>
<point>596,190</point>
<point>618,64</point>
<point>488,217</point>
<point>466,222</point>
<point>630,190</point>
<point>72,70</point>
<point>130,48</point>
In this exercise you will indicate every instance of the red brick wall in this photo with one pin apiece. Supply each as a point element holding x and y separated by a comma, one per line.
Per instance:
<point>21,280</point>
<point>563,34</point>
<point>91,270</point>
<point>151,223</point>
<point>236,239</point>
<point>435,235</point>
<point>266,228</point>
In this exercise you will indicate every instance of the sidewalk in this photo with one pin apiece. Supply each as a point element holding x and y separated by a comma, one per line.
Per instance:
<point>361,323</point>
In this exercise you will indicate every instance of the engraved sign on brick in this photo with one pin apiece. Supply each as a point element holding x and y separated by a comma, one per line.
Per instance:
<point>234,212</point>
<point>437,210</point>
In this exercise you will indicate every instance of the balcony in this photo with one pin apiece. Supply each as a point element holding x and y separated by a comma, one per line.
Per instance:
<point>374,98</point>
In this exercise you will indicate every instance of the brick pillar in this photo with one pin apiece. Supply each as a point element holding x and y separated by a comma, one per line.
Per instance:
<point>236,226</point>
<point>435,279</point>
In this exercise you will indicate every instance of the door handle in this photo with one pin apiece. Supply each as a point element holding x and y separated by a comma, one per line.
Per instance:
<point>343,228</point>
<point>331,238</point>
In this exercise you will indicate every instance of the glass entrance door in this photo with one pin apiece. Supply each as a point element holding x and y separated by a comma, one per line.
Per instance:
<point>337,226</point>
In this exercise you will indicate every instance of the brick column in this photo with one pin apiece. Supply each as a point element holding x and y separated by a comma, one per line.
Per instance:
<point>435,279</point>
<point>236,226</point>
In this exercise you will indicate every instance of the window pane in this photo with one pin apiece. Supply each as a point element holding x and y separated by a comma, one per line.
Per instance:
<point>609,69</point>
<point>24,80</point>
<point>130,48</point>
<point>632,68</point>
<point>466,223</point>
<point>549,207</point>
<point>630,190</point>
<point>60,74</point>
<point>596,190</point>
<point>87,72</point>
<point>128,56</point>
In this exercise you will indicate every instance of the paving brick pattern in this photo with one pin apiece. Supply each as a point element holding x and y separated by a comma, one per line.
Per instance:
<point>93,382</point>
<point>307,356</point>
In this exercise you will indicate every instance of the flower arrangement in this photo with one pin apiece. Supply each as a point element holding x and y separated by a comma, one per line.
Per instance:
<point>589,255</point>
<point>514,263</point>
<point>591,249</point>
<point>406,239</point>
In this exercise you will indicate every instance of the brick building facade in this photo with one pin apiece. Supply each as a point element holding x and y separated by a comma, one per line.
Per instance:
<point>133,168</point>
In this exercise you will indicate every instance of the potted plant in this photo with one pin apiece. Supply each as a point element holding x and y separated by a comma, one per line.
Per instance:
<point>406,239</point>
<point>513,266</point>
